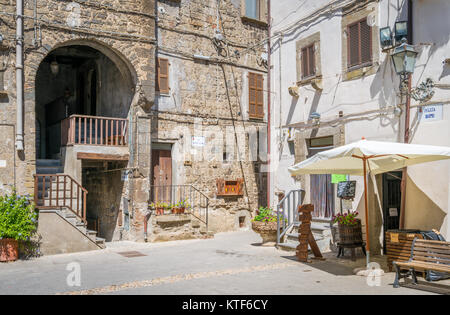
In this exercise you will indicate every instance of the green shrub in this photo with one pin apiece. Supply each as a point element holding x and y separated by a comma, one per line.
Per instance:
<point>18,218</point>
<point>266,215</point>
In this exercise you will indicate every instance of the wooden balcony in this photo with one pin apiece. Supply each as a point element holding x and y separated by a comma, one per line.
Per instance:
<point>93,130</point>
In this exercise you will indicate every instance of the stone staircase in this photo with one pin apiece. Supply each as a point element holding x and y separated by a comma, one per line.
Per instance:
<point>55,196</point>
<point>322,234</point>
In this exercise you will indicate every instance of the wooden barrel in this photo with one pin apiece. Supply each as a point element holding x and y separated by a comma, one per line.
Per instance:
<point>350,234</point>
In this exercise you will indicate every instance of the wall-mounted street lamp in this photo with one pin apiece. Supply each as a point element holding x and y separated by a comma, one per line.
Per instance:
<point>404,58</point>
<point>54,67</point>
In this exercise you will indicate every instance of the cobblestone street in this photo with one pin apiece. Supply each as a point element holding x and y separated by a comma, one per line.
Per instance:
<point>231,263</point>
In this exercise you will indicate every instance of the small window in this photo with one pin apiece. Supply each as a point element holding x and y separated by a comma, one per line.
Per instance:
<point>256,95</point>
<point>255,10</point>
<point>162,74</point>
<point>252,9</point>
<point>359,42</point>
<point>320,142</point>
<point>308,62</point>
<point>316,145</point>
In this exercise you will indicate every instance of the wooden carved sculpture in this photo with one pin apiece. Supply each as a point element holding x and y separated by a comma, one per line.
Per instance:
<point>305,235</point>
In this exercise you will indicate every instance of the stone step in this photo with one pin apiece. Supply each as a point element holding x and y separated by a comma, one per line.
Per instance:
<point>288,246</point>
<point>48,162</point>
<point>60,202</point>
<point>100,242</point>
<point>294,236</point>
<point>49,169</point>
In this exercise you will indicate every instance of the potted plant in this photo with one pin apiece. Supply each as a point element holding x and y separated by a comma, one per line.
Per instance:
<point>265,224</point>
<point>349,228</point>
<point>18,222</point>
<point>168,208</point>
<point>158,207</point>
<point>181,206</point>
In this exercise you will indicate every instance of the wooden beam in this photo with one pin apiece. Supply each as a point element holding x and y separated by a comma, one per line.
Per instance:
<point>102,157</point>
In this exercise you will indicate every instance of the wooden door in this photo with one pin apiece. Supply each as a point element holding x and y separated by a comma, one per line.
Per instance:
<point>391,201</point>
<point>162,175</point>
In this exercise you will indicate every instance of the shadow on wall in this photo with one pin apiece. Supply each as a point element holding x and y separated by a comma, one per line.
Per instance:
<point>421,212</point>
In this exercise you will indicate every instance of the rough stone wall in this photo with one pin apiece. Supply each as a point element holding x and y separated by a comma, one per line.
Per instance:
<point>209,98</point>
<point>105,188</point>
<point>123,30</point>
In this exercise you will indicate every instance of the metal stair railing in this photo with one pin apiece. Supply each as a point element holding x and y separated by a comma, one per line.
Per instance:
<point>198,202</point>
<point>287,213</point>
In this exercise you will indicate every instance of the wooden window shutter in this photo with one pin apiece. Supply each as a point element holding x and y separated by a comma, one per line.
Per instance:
<point>312,60</point>
<point>308,61</point>
<point>256,95</point>
<point>359,43</point>
<point>259,95</point>
<point>163,76</point>
<point>305,63</point>
<point>366,42</point>
<point>353,45</point>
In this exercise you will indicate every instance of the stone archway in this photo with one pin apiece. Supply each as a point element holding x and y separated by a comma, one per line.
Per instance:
<point>84,78</point>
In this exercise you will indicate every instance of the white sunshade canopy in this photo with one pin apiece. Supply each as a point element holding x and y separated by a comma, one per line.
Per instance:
<point>381,157</point>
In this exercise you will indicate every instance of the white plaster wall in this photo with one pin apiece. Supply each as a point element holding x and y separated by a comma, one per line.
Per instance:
<point>373,92</point>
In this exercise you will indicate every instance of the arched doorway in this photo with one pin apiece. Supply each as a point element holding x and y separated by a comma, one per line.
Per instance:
<point>78,79</point>
<point>83,95</point>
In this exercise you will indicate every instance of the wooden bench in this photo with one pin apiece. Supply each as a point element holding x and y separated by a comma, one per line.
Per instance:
<point>426,255</point>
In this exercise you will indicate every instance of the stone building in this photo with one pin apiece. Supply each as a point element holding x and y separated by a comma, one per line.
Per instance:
<point>124,103</point>
<point>209,121</point>
<point>338,84</point>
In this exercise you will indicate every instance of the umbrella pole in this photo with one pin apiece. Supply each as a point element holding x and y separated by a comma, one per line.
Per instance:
<point>366,204</point>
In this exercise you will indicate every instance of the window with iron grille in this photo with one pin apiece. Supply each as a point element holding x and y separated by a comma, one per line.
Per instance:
<point>359,43</point>
<point>308,61</point>
<point>256,95</point>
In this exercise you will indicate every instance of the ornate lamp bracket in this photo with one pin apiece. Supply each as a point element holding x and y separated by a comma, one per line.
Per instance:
<point>422,93</point>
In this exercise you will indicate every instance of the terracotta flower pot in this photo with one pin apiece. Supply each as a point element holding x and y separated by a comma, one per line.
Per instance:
<point>267,231</point>
<point>9,250</point>
<point>159,211</point>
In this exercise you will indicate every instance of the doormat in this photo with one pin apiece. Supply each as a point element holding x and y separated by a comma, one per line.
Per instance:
<point>131,254</point>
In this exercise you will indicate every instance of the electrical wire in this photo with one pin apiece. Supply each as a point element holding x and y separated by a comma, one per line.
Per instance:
<point>91,31</point>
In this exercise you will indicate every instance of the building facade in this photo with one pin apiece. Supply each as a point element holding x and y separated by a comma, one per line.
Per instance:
<point>130,104</point>
<point>336,84</point>
<point>209,121</point>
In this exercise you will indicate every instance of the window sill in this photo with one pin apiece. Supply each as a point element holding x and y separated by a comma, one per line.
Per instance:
<point>256,118</point>
<point>163,94</point>
<point>308,80</point>
<point>247,19</point>
<point>358,72</point>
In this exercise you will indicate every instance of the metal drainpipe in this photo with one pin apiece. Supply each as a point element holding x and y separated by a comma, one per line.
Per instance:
<point>269,104</point>
<point>19,75</point>
<point>14,155</point>
<point>407,121</point>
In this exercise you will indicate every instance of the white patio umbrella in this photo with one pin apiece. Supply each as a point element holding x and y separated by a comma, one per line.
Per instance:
<point>365,156</point>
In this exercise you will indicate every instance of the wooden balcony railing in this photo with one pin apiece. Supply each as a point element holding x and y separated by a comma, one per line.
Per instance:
<point>60,191</point>
<point>93,130</point>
